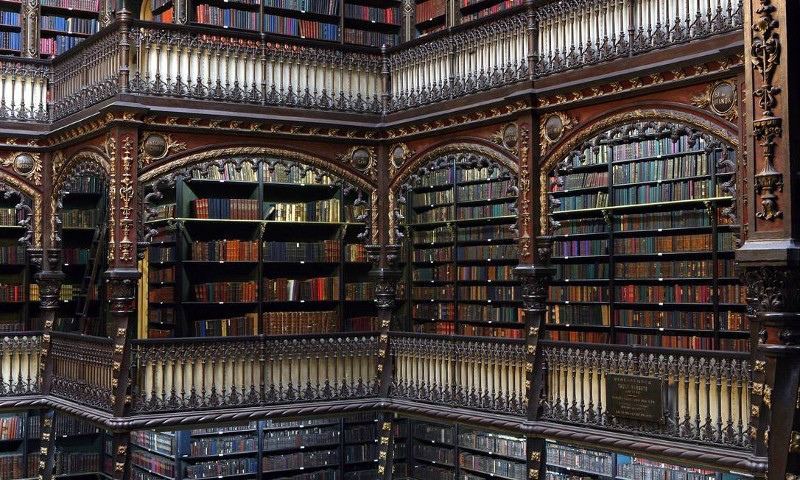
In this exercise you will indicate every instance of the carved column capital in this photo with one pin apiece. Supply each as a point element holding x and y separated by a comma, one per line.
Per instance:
<point>122,289</point>
<point>385,280</point>
<point>49,282</point>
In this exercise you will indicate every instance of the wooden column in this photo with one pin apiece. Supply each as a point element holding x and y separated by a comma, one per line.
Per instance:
<point>770,258</point>
<point>122,274</point>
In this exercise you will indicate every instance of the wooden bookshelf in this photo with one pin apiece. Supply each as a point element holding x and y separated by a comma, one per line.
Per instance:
<point>462,252</point>
<point>84,255</point>
<point>16,311</point>
<point>444,452</point>
<point>10,28</point>
<point>66,23</point>
<point>643,245</point>
<point>328,447</point>
<point>20,436</point>
<point>82,451</point>
<point>265,248</point>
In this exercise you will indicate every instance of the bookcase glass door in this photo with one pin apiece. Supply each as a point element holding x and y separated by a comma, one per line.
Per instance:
<point>459,214</point>
<point>84,254</point>
<point>244,247</point>
<point>17,309</point>
<point>644,225</point>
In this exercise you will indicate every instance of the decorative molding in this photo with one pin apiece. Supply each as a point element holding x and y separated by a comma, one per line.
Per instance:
<point>552,128</point>
<point>360,158</point>
<point>275,128</point>
<point>25,164</point>
<point>215,154</point>
<point>768,181</point>
<point>665,77</point>
<point>720,98</point>
<point>34,224</point>
<point>507,136</point>
<point>457,120</point>
<point>524,197</point>
<point>399,154</point>
<point>126,207</point>
<point>157,146</point>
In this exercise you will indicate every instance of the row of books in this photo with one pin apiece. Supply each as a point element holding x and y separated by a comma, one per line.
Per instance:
<point>159,442</point>
<point>595,315</point>
<point>440,254</point>
<point>75,256</point>
<point>579,202</point>
<point>359,291</point>
<point>439,176</point>
<point>161,275</point>
<point>485,313</point>
<point>626,150</point>
<point>442,234</point>
<point>205,446</point>
<point>223,327</point>
<point>12,465</point>
<point>446,292</point>
<point>483,292</point>
<point>152,462</point>
<point>161,294</point>
<point>11,427</point>
<point>316,6</point>
<point>492,466</point>
<point>576,181</point>
<point>693,165</point>
<point>665,319</point>
<point>430,9</point>
<point>672,243</point>
<point>225,250</point>
<point>165,211</point>
<point>86,26</point>
<point>483,211</point>
<point>661,220</point>
<point>80,218</point>
<point>161,254</point>
<point>483,191</point>
<point>10,41</point>
<point>486,273</point>
<point>290,289</point>
<point>161,315</point>
<point>320,211</point>
<point>58,44</point>
<point>226,17</point>
<point>360,324</point>
<point>66,463</point>
<point>12,293</point>
<point>12,255</point>
<point>325,251</point>
<point>665,192</point>
<point>486,252</point>
<point>585,460</point>
<point>675,269</point>
<point>85,5</point>
<point>315,436</point>
<point>361,453</point>
<point>666,341</point>
<point>229,171</point>
<point>374,39</point>
<point>496,8</point>
<point>493,443</point>
<point>435,454</point>
<point>226,292</point>
<point>225,208</point>
<point>9,18</point>
<point>300,28</point>
<point>372,14</point>
<point>292,323</point>
<point>294,172</point>
<point>300,460</point>
<point>436,214</point>
<point>572,248</point>
<point>594,155</point>
<point>680,294</point>
<point>86,183</point>
<point>439,273</point>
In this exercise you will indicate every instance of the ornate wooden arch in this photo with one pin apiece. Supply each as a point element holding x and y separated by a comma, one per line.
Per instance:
<point>183,163</point>
<point>11,185</point>
<point>91,160</point>
<point>467,147</point>
<point>607,121</point>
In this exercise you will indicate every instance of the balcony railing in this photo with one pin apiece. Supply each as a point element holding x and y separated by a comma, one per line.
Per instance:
<point>705,394</point>
<point>201,63</point>
<point>19,364</point>
<point>464,372</point>
<point>82,369</point>
<point>203,373</point>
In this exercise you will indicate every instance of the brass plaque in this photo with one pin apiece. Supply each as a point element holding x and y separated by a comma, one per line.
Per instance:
<point>634,397</point>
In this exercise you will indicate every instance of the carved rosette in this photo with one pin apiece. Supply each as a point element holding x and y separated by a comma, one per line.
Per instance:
<point>122,290</point>
<point>49,282</point>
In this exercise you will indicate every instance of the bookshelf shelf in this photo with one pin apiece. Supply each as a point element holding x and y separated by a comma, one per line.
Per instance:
<point>279,252</point>
<point>636,271</point>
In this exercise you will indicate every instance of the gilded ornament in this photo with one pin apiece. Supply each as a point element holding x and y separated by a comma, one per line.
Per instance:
<point>552,128</point>
<point>720,99</point>
<point>156,146</point>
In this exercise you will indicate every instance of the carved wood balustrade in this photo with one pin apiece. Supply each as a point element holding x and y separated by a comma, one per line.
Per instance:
<point>486,374</point>
<point>82,369</point>
<point>706,394</point>
<point>198,373</point>
<point>202,63</point>
<point>19,364</point>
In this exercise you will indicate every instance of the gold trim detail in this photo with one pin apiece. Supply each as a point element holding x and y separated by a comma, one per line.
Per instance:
<point>705,100</point>
<point>34,175</point>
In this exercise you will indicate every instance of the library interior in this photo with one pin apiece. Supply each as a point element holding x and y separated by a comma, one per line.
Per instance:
<point>399,240</point>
